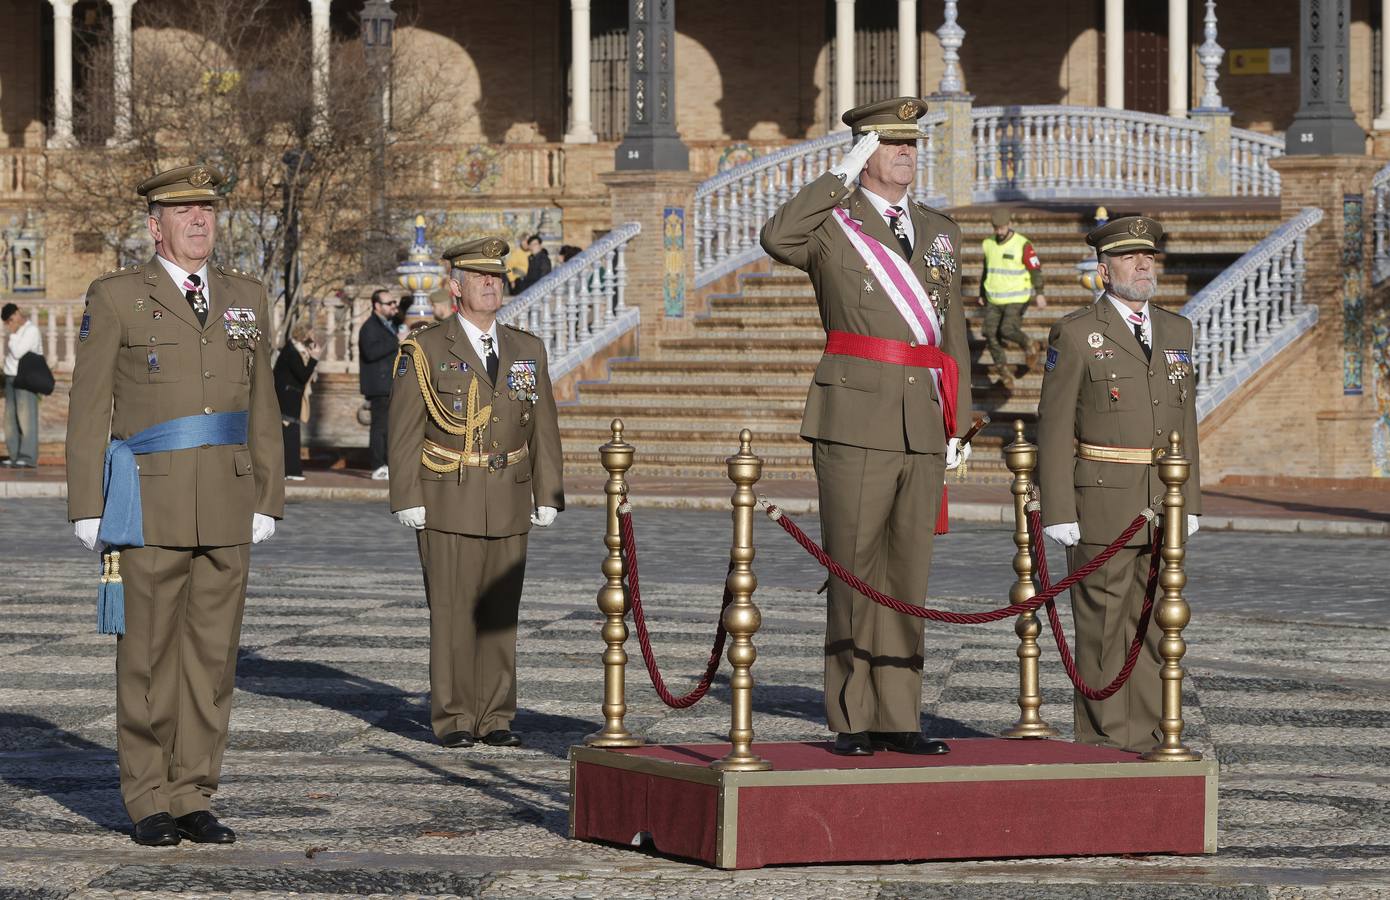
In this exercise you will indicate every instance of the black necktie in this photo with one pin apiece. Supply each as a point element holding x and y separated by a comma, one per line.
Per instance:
<point>491,359</point>
<point>193,293</point>
<point>897,220</point>
<point>1137,320</point>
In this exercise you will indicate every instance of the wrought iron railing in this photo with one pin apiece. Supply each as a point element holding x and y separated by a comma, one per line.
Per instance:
<point>1031,152</point>
<point>1380,225</point>
<point>731,207</point>
<point>1251,311</point>
<point>579,308</point>
<point>1251,173</point>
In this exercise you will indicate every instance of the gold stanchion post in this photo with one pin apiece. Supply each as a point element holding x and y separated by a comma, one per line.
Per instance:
<point>1022,459</point>
<point>613,599</point>
<point>1172,613</point>
<point>741,616</point>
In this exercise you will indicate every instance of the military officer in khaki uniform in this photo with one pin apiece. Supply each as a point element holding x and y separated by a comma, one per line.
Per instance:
<point>173,363</point>
<point>474,453</point>
<point>888,402</point>
<point>1118,379</point>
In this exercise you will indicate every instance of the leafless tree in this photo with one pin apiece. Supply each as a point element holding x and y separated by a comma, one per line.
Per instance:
<point>229,83</point>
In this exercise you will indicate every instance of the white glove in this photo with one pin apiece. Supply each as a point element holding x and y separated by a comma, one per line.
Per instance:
<point>414,517</point>
<point>956,453</point>
<point>853,162</point>
<point>262,527</point>
<point>543,516</point>
<point>1192,524</point>
<point>86,531</point>
<point>1068,535</point>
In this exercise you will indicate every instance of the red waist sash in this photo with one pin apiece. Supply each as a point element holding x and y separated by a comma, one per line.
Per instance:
<point>901,353</point>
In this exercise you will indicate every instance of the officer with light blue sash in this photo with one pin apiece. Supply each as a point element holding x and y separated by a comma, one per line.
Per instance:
<point>175,467</point>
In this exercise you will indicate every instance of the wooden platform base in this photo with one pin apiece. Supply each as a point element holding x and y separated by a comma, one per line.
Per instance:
<point>987,798</point>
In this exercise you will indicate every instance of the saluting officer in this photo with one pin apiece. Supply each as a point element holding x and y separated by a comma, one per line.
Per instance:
<point>889,400</point>
<point>1117,380</point>
<point>173,368</point>
<point>475,461</point>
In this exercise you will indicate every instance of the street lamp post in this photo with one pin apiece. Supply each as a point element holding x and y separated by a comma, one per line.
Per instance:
<point>378,31</point>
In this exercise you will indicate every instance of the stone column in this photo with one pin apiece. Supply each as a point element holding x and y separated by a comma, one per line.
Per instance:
<point>1332,389</point>
<point>844,61</point>
<point>121,76</point>
<point>321,42</point>
<point>1115,54</point>
<point>62,75</point>
<point>908,43</point>
<point>581,129</point>
<point>1382,121</point>
<point>1324,124</point>
<point>648,198</point>
<point>955,162</point>
<point>1179,55</point>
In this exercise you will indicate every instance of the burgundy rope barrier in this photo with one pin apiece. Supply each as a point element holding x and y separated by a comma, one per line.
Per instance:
<point>939,615</point>
<point>1140,629</point>
<point>629,549</point>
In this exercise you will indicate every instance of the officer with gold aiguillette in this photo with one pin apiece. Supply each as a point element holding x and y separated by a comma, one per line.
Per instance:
<point>175,465</point>
<point>1117,381</point>
<point>474,455</point>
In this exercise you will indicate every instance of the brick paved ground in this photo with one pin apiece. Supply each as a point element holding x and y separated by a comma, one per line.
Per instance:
<point>338,790</point>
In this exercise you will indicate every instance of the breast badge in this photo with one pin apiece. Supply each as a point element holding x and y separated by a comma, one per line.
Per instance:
<point>1095,339</point>
<point>521,378</point>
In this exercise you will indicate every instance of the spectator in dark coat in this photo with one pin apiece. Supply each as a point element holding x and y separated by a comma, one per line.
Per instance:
<point>376,352</point>
<point>294,371</point>
<point>537,266</point>
<point>568,252</point>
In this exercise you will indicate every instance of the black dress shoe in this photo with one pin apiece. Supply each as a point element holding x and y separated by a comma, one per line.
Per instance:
<point>502,738</point>
<point>852,743</point>
<point>158,830</point>
<point>202,827</point>
<point>907,742</point>
<point>457,739</point>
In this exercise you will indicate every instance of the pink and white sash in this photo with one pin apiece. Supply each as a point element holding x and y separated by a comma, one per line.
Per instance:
<point>905,290</point>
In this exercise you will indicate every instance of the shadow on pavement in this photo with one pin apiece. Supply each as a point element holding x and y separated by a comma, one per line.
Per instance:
<point>71,771</point>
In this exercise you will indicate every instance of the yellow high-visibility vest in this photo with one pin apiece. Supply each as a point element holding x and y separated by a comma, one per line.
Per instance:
<point>1006,277</point>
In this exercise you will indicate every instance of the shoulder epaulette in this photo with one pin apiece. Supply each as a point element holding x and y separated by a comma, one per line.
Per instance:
<point>123,270</point>
<point>1075,314</point>
<point>934,211</point>
<point>520,329</point>
<point>228,270</point>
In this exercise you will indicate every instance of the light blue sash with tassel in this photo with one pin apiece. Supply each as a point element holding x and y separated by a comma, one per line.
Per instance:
<point>122,517</point>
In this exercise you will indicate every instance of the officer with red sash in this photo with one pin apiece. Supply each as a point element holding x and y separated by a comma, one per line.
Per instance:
<point>888,404</point>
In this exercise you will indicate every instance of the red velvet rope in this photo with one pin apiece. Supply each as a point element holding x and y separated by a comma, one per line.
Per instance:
<point>629,550</point>
<point>939,615</point>
<point>1131,657</point>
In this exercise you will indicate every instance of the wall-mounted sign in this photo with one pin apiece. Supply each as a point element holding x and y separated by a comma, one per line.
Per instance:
<point>1261,61</point>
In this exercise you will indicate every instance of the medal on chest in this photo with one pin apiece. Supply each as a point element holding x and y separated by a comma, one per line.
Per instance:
<point>242,330</point>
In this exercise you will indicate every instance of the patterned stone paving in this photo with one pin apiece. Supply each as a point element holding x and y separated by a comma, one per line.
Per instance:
<point>337,788</point>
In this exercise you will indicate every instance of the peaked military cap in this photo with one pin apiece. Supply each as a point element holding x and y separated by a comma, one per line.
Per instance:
<point>1127,233</point>
<point>186,184</point>
<point>479,255</point>
<point>896,118</point>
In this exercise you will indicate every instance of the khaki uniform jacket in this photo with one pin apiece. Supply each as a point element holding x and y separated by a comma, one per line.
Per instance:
<point>1117,400</point>
<point>146,360</point>
<point>862,403</point>
<point>475,501</point>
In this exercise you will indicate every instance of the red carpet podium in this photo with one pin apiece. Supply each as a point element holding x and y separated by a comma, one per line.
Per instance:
<point>988,798</point>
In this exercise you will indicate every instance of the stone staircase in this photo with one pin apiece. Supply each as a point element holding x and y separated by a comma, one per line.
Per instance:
<point>748,360</point>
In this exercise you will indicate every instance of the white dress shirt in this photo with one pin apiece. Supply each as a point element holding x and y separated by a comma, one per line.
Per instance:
<point>180,276</point>
<point>1125,312</point>
<point>25,340</point>
<point>475,337</point>
<point>882,205</point>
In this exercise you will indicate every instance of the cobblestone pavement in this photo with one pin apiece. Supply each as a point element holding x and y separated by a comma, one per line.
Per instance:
<point>337,788</point>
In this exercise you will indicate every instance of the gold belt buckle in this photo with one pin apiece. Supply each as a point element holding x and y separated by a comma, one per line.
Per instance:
<point>497,462</point>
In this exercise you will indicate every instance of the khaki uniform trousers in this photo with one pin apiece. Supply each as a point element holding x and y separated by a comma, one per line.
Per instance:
<point>473,585</point>
<point>1105,607</point>
<point>175,671</point>
<point>877,516</point>
<point>1004,322</point>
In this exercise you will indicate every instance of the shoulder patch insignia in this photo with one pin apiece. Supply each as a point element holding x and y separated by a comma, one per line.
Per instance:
<point>403,365</point>
<point>1051,359</point>
<point>85,331</point>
